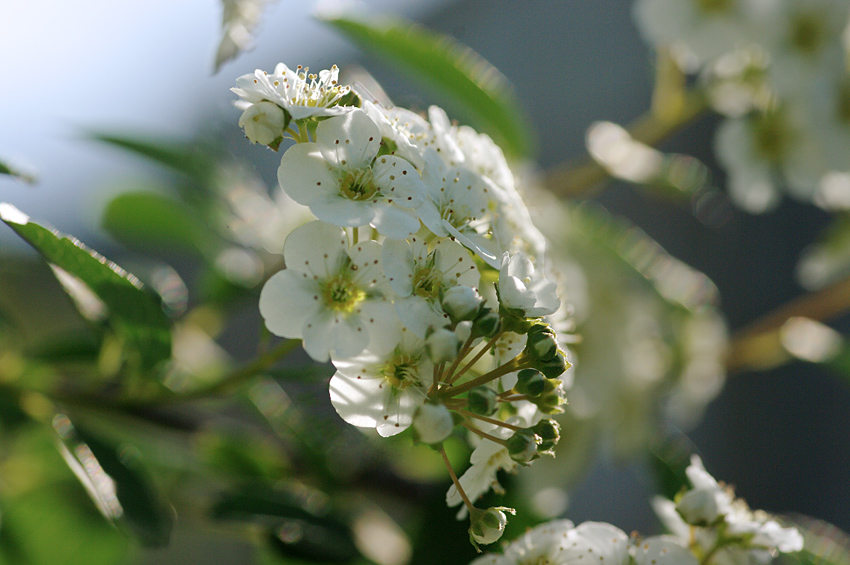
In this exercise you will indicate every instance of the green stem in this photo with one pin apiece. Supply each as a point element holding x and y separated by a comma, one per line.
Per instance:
<point>485,435</point>
<point>515,364</point>
<point>475,359</point>
<point>493,421</point>
<point>460,491</point>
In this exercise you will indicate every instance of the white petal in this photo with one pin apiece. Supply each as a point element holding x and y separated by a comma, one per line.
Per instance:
<point>398,410</point>
<point>398,180</point>
<point>395,222</point>
<point>317,248</point>
<point>288,298</point>
<point>340,211</point>
<point>417,315</point>
<point>305,175</point>
<point>663,550</point>
<point>334,333</point>
<point>456,263</point>
<point>358,401</point>
<point>596,542</point>
<point>350,141</point>
<point>397,256</point>
<point>382,324</point>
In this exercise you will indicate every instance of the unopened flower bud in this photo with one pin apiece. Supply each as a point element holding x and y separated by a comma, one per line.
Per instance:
<point>552,399</point>
<point>461,303</point>
<point>542,344</point>
<point>549,432</point>
<point>481,400</point>
<point>442,345</point>
<point>530,382</point>
<point>487,526</point>
<point>553,367</point>
<point>433,423</point>
<point>522,446</point>
<point>486,324</point>
<point>263,122</point>
<point>698,507</point>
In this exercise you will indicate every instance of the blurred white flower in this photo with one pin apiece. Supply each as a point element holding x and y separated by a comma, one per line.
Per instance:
<point>521,288</point>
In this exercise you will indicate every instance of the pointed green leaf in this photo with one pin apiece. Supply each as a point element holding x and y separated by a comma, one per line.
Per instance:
<point>145,219</point>
<point>135,312</point>
<point>456,69</point>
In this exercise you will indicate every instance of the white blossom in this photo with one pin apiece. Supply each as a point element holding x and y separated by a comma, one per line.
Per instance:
<point>383,391</point>
<point>342,181</point>
<point>521,288</point>
<point>419,274</point>
<point>331,296</point>
<point>300,93</point>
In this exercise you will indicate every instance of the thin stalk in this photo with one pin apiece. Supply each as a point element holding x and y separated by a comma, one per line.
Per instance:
<point>475,359</point>
<point>493,421</point>
<point>460,491</point>
<point>515,364</point>
<point>460,355</point>
<point>485,435</point>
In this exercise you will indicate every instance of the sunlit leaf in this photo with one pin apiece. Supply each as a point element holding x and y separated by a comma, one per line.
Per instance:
<point>145,219</point>
<point>121,483</point>
<point>461,73</point>
<point>134,311</point>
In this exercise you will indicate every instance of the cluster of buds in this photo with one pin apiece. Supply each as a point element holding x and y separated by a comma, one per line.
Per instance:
<point>412,214</point>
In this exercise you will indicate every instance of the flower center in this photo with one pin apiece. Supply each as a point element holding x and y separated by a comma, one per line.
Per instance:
<point>426,279</point>
<point>808,33</point>
<point>341,294</point>
<point>402,371</point>
<point>358,185</point>
<point>771,136</point>
<point>714,6</point>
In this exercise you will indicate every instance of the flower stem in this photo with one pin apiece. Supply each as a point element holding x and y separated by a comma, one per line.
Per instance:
<point>493,421</point>
<point>460,491</point>
<point>484,434</point>
<point>475,359</point>
<point>515,364</point>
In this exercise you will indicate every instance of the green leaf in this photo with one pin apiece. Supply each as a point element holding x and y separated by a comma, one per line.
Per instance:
<point>142,509</point>
<point>56,523</point>
<point>47,517</point>
<point>669,458</point>
<point>197,161</point>
<point>144,219</point>
<point>459,71</point>
<point>135,312</point>
<point>297,526</point>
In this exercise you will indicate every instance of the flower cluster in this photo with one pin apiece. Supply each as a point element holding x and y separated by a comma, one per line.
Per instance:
<point>778,71</point>
<point>420,277</point>
<point>708,525</point>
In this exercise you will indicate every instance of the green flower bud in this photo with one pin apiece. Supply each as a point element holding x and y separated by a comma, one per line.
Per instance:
<point>481,400</point>
<point>461,303</point>
<point>486,324</point>
<point>530,382</point>
<point>552,399</point>
<point>549,432</point>
<point>522,446</point>
<point>442,345</point>
<point>487,526</point>
<point>433,423</point>
<point>554,367</point>
<point>542,344</point>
